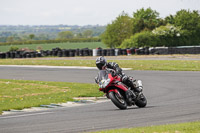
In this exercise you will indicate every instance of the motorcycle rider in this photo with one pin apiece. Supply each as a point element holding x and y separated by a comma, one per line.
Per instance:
<point>102,64</point>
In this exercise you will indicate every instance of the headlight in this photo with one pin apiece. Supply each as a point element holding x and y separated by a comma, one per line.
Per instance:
<point>103,83</point>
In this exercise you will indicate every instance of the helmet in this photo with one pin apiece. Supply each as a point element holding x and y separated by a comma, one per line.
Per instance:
<point>100,62</point>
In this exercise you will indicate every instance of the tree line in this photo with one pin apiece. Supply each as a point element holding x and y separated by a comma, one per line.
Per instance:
<point>146,29</point>
<point>20,33</point>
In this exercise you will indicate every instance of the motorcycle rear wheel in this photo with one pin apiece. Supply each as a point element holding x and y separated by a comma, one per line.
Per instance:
<point>142,102</point>
<point>117,100</point>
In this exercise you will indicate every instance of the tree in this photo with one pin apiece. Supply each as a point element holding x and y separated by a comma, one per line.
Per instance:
<point>189,21</point>
<point>87,33</point>
<point>146,19</point>
<point>118,30</point>
<point>31,36</point>
<point>168,35</point>
<point>79,35</point>
<point>65,35</point>
<point>169,19</point>
<point>10,39</point>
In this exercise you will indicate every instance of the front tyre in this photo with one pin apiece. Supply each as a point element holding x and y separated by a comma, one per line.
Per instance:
<point>119,101</point>
<point>141,102</point>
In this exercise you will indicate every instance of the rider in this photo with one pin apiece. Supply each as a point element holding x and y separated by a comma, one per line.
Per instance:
<point>102,64</point>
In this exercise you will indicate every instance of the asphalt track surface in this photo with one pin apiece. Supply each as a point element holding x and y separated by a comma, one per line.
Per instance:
<point>173,97</point>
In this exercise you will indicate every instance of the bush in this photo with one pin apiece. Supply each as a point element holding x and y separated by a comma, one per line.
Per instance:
<point>13,48</point>
<point>142,39</point>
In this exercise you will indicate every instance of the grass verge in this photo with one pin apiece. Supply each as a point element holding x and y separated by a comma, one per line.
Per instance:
<point>19,94</point>
<point>190,127</point>
<point>66,45</point>
<point>162,65</point>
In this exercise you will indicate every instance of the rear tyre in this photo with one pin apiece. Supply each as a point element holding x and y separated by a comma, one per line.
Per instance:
<point>142,102</point>
<point>117,100</point>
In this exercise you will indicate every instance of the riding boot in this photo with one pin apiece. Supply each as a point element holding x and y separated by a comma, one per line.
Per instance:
<point>130,96</point>
<point>134,86</point>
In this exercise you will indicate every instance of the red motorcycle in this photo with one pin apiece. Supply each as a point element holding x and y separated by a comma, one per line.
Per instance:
<point>110,83</point>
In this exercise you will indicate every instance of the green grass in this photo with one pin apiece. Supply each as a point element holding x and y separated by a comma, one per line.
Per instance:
<point>190,127</point>
<point>91,45</point>
<point>162,65</point>
<point>19,94</point>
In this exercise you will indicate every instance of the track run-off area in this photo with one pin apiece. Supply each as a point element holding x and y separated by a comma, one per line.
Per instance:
<point>173,97</point>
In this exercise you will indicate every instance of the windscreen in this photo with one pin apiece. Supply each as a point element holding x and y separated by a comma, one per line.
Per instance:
<point>103,74</point>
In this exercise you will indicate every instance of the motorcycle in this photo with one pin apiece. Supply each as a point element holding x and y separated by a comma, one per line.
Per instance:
<point>111,84</point>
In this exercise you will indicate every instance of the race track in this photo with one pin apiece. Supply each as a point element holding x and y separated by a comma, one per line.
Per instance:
<point>173,97</point>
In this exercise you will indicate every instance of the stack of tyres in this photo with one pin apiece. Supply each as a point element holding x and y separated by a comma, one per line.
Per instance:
<point>112,52</point>
<point>124,52</point>
<point>108,52</point>
<point>28,55</point>
<point>18,54</point>
<point>118,52</point>
<point>173,50</point>
<point>196,50</point>
<point>24,54</point>
<point>60,54</point>
<point>44,53</point>
<point>146,51</point>
<point>12,54</point>
<point>104,52</point>
<point>65,53</point>
<point>77,53</point>
<point>38,55</point>
<point>140,51</point>
<point>33,55</point>
<point>94,53</point>
<point>132,50</point>
<point>128,51</point>
<point>86,52</point>
<point>81,52</point>
<point>189,50</point>
<point>99,52</point>
<point>90,52</point>
<point>55,51</point>
<point>2,55</point>
<point>49,53</point>
<point>7,54</point>
<point>71,53</point>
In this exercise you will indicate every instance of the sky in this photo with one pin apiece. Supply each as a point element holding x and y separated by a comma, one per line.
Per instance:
<point>82,12</point>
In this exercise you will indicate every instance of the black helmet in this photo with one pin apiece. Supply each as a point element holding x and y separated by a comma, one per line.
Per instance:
<point>100,62</point>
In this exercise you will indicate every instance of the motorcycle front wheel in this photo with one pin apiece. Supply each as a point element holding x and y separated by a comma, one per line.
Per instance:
<point>119,101</point>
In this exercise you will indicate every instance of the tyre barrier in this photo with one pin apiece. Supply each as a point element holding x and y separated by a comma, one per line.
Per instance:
<point>100,52</point>
<point>175,50</point>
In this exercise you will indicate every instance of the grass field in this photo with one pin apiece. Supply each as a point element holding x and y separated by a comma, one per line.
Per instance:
<point>19,94</point>
<point>162,65</point>
<point>190,127</point>
<point>91,45</point>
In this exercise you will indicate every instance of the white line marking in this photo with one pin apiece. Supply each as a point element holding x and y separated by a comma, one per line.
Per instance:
<point>65,67</point>
<point>16,116</point>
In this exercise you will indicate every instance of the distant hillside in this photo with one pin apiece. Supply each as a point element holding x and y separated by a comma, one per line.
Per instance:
<point>45,32</point>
